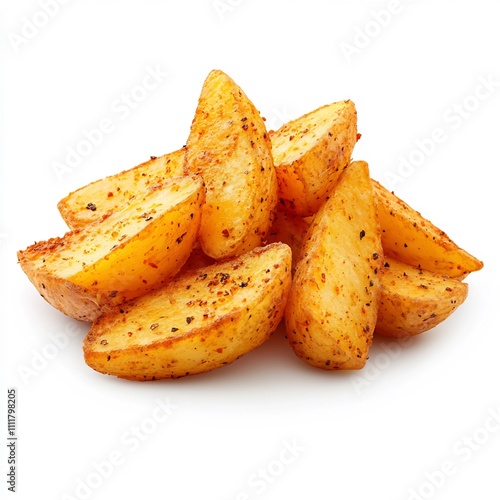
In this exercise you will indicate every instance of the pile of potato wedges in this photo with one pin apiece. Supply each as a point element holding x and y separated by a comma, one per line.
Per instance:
<point>190,260</point>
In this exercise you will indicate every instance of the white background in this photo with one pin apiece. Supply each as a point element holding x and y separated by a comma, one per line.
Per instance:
<point>382,433</point>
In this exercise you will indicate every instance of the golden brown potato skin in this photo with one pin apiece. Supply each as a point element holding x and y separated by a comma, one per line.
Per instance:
<point>102,197</point>
<point>408,237</point>
<point>332,307</point>
<point>311,152</point>
<point>229,148</point>
<point>202,320</point>
<point>413,301</point>
<point>126,254</point>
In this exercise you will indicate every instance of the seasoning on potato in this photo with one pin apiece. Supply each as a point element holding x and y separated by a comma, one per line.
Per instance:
<point>190,260</point>
<point>229,148</point>
<point>332,306</point>
<point>120,257</point>
<point>311,152</point>
<point>203,320</point>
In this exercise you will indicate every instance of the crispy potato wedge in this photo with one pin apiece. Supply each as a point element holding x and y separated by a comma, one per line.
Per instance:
<point>409,238</point>
<point>332,307</point>
<point>311,152</point>
<point>202,320</point>
<point>125,255</point>
<point>91,202</point>
<point>413,301</point>
<point>229,148</point>
<point>290,229</point>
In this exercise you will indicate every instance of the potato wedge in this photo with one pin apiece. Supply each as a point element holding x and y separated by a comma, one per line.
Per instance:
<point>332,307</point>
<point>311,152</point>
<point>413,301</point>
<point>229,148</point>
<point>202,320</point>
<point>409,238</point>
<point>125,255</point>
<point>91,202</point>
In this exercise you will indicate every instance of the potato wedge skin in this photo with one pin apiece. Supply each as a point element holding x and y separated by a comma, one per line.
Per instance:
<point>202,320</point>
<point>228,146</point>
<point>310,154</point>
<point>413,301</point>
<point>104,196</point>
<point>409,238</point>
<point>332,307</point>
<point>126,265</point>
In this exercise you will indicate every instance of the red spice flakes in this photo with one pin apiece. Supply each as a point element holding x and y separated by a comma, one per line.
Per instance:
<point>224,277</point>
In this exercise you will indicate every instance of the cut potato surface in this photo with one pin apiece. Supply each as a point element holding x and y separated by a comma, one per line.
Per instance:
<point>125,255</point>
<point>202,320</point>
<point>102,197</point>
<point>332,307</point>
<point>413,301</point>
<point>311,152</point>
<point>229,148</point>
<point>408,237</point>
